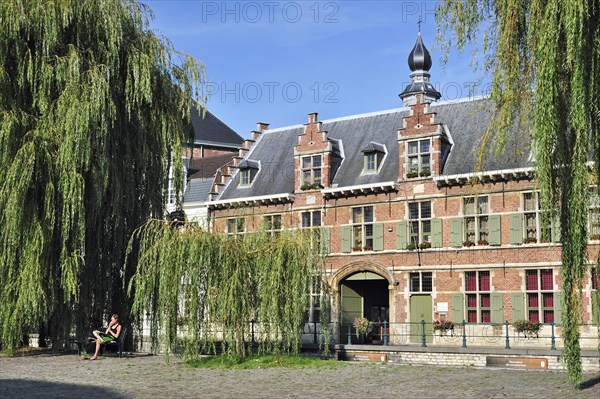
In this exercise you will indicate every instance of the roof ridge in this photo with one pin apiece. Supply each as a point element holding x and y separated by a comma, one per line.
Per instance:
<point>382,112</point>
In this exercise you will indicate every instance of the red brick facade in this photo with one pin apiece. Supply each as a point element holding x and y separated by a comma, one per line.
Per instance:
<point>507,263</point>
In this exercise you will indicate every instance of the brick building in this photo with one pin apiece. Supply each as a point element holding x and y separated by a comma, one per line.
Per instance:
<point>215,144</point>
<point>409,237</point>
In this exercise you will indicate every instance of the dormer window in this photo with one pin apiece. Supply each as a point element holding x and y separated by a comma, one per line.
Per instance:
<point>245,177</point>
<point>373,157</point>
<point>371,162</point>
<point>419,158</point>
<point>311,170</point>
<point>248,171</point>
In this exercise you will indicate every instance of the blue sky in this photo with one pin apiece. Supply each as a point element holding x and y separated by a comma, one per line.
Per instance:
<point>277,61</point>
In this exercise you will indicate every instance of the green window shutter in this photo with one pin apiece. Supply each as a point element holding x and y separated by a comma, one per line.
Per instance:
<point>324,240</point>
<point>494,235</point>
<point>378,237</point>
<point>556,229</point>
<point>401,235</point>
<point>436,233</point>
<point>458,312</point>
<point>596,307</point>
<point>497,303</point>
<point>456,233</point>
<point>516,228</point>
<point>346,239</point>
<point>518,308</point>
<point>557,308</point>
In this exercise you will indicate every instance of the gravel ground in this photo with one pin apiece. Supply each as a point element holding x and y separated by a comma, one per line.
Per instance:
<point>144,376</point>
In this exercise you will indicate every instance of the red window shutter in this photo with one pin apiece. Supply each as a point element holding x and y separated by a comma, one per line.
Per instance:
<point>485,301</point>
<point>472,301</point>
<point>531,283</point>
<point>486,316</point>
<point>533,301</point>
<point>547,283</point>
<point>484,281</point>
<point>534,316</point>
<point>471,281</point>
<point>472,316</point>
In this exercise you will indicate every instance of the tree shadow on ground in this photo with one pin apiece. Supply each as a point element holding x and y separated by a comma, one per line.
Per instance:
<point>589,383</point>
<point>18,388</point>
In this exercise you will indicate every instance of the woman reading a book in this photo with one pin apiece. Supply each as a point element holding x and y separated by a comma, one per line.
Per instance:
<point>111,334</point>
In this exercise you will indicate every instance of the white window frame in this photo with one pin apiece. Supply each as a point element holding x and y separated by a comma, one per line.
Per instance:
<point>419,155</point>
<point>479,295</point>
<point>362,230</point>
<point>540,295</point>
<point>420,277</point>
<point>245,177</point>
<point>270,222</point>
<point>420,222</point>
<point>311,169</point>
<point>311,218</point>
<point>235,226</point>
<point>533,230</point>
<point>479,217</point>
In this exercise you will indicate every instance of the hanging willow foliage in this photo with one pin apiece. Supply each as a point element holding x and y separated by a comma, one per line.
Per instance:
<point>199,289</point>
<point>92,104</point>
<point>545,60</point>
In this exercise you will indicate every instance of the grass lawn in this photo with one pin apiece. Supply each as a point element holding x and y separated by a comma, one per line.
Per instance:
<point>262,362</point>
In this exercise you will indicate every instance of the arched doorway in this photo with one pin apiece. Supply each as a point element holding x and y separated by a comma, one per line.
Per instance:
<point>363,294</point>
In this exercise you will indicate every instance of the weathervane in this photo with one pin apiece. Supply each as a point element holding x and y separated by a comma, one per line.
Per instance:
<point>419,23</point>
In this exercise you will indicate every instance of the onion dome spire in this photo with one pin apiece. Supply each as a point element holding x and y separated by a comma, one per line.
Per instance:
<point>419,62</point>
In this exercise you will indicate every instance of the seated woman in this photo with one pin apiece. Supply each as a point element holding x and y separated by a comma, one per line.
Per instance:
<point>111,334</point>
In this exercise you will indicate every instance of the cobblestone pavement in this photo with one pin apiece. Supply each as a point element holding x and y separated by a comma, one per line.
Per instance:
<point>143,376</point>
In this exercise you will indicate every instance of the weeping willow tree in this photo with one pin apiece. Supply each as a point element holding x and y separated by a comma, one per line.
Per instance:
<point>198,289</point>
<point>92,104</point>
<point>544,56</point>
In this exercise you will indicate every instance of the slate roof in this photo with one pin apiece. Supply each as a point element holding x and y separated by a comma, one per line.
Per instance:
<point>466,122</point>
<point>207,167</point>
<point>210,130</point>
<point>198,190</point>
<point>201,174</point>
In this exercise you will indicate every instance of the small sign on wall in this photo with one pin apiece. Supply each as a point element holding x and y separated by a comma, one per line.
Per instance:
<point>517,362</point>
<point>442,307</point>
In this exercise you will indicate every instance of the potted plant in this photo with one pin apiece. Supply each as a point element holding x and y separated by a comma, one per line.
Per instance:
<point>443,326</point>
<point>425,173</point>
<point>412,175</point>
<point>529,329</point>
<point>307,187</point>
<point>483,242</point>
<point>594,236</point>
<point>363,328</point>
<point>411,246</point>
<point>468,243</point>
<point>425,245</point>
<point>530,240</point>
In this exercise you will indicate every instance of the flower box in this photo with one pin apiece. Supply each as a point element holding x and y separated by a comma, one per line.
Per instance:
<point>424,245</point>
<point>468,243</point>
<point>443,326</point>
<point>425,173</point>
<point>528,328</point>
<point>412,175</point>
<point>411,246</point>
<point>530,240</point>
